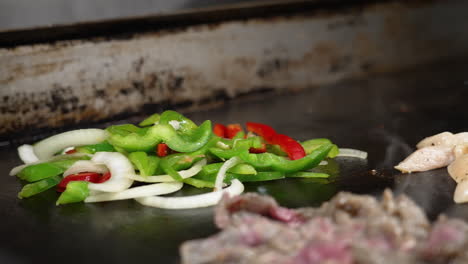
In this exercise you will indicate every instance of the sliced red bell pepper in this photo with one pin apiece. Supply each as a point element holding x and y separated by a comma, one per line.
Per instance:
<point>162,150</point>
<point>220,130</point>
<point>265,131</point>
<point>263,149</point>
<point>290,146</point>
<point>93,177</point>
<point>232,130</point>
<point>71,151</point>
<point>287,144</point>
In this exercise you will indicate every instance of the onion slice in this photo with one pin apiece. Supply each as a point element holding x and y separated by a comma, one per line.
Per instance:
<point>194,201</point>
<point>26,154</point>
<point>222,171</point>
<point>136,192</point>
<point>119,166</point>
<point>196,168</point>
<point>353,153</point>
<point>85,166</point>
<point>46,148</point>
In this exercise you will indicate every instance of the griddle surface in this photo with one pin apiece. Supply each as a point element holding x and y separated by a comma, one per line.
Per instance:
<point>385,116</point>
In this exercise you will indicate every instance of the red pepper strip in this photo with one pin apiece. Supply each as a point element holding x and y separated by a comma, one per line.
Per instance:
<point>232,130</point>
<point>266,132</point>
<point>162,150</point>
<point>290,146</point>
<point>220,130</point>
<point>93,177</point>
<point>287,144</point>
<point>258,150</point>
<point>71,151</point>
<point>106,176</point>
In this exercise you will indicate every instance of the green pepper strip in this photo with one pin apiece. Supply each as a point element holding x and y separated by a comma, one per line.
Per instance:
<point>168,169</point>
<point>100,147</point>
<point>146,164</point>
<point>76,191</point>
<point>37,172</point>
<point>181,142</point>
<point>268,161</point>
<point>239,146</point>
<point>149,121</point>
<point>39,186</point>
<point>307,174</point>
<point>199,183</point>
<point>185,142</point>
<point>312,144</point>
<point>186,125</point>
<point>260,176</point>
<point>238,169</point>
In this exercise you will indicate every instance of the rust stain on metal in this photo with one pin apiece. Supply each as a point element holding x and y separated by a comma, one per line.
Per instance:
<point>50,85</point>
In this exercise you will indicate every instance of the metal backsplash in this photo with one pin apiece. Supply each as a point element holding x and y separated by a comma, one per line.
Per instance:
<point>50,85</point>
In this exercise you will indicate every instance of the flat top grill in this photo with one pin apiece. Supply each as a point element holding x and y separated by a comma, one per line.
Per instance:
<point>384,115</point>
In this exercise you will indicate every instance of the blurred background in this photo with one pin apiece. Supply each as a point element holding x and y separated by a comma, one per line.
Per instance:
<point>15,14</point>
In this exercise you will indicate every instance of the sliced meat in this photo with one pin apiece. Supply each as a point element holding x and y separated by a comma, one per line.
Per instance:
<point>350,228</point>
<point>447,240</point>
<point>252,202</point>
<point>427,158</point>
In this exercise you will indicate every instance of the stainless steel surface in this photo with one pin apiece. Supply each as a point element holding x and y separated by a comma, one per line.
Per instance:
<point>85,81</point>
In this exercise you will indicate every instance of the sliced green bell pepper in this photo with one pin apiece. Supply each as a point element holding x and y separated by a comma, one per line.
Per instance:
<point>39,186</point>
<point>76,191</point>
<point>239,168</point>
<point>268,161</point>
<point>260,176</point>
<point>199,183</point>
<point>100,147</point>
<point>185,125</point>
<point>307,174</point>
<point>239,146</point>
<point>312,144</point>
<point>168,169</point>
<point>37,172</point>
<point>146,164</point>
<point>149,121</point>
<point>183,141</point>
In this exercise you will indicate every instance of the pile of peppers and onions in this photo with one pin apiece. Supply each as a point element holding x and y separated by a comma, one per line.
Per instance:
<point>161,154</point>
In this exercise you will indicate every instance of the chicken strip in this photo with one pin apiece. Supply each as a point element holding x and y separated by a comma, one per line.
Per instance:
<point>446,139</point>
<point>427,158</point>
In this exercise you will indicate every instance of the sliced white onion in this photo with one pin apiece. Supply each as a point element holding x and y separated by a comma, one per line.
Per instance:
<point>136,192</point>
<point>354,153</point>
<point>85,166</point>
<point>119,166</point>
<point>222,145</point>
<point>26,154</point>
<point>175,124</point>
<point>196,168</point>
<point>194,201</point>
<point>46,148</point>
<point>17,169</point>
<point>222,171</point>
